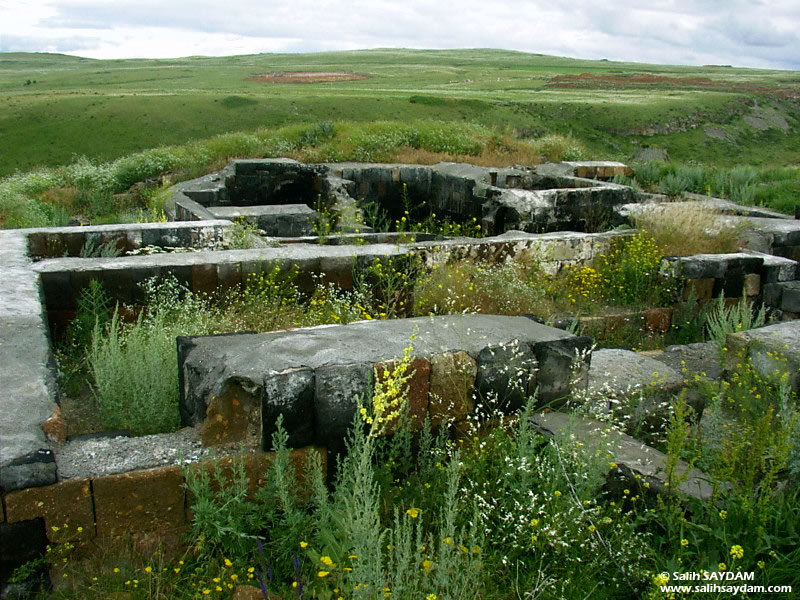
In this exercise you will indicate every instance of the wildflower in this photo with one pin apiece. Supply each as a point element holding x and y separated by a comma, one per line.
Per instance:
<point>234,577</point>
<point>722,566</point>
<point>303,544</point>
<point>294,584</point>
<point>206,592</point>
<point>427,565</point>
<point>684,542</point>
<point>737,551</point>
<point>761,564</point>
<point>626,491</point>
<point>556,493</point>
<point>326,560</point>
<point>430,597</point>
<point>449,540</point>
<point>323,573</point>
<point>723,514</point>
<point>116,569</point>
<point>592,528</point>
<point>148,569</point>
<point>228,563</point>
<point>661,579</point>
<point>176,570</point>
<point>413,512</point>
<point>80,529</point>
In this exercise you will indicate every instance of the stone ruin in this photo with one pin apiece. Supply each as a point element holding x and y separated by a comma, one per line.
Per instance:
<point>233,387</point>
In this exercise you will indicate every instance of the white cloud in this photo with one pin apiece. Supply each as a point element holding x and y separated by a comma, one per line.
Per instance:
<point>739,32</point>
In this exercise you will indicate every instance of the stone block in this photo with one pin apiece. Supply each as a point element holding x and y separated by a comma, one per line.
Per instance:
<point>624,451</point>
<point>140,501</point>
<point>506,375</point>
<point>64,506</point>
<point>229,275</point>
<point>204,278</point>
<point>561,365</point>
<point>337,270</point>
<point>772,294</point>
<point>790,297</point>
<point>233,416</point>
<point>289,393</point>
<point>658,319</point>
<point>452,383</point>
<point>774,351</point>
<point>752,284</point>
<point>415,390</point>
<point>337,391</point>
<point>628,376</point>
<point>34,469</point>
<point>703,288</point>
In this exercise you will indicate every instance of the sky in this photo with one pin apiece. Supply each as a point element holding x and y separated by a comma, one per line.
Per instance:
<point>745,33</point>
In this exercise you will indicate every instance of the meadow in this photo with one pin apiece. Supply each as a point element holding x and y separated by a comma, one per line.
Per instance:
<point>54,107</point>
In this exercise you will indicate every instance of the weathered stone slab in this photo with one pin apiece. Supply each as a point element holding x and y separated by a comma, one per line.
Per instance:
<point>342,359</point>
<point>25,377</point>
<point>623,376</point>
<point>647,462</point>
<point>715,266</point>
<point>774,351</point>
<point>284,220</point>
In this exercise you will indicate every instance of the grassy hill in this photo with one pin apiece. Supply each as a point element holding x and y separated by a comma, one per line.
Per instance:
<point>54,107</point>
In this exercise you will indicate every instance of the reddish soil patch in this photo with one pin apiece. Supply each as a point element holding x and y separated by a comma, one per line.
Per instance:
<point>306,76</point>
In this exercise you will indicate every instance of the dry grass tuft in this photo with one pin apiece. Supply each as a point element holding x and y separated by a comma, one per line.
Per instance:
<point>683,229</point>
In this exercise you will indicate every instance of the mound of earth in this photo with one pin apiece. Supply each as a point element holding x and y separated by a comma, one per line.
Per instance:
<point>306,76</point>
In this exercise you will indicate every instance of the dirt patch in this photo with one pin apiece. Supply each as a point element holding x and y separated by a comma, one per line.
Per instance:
<point>307,77</point>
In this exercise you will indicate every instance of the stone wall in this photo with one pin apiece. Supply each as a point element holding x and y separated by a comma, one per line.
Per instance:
<point>56,242</point>
<point>235,386</point>
<point>144,504</point>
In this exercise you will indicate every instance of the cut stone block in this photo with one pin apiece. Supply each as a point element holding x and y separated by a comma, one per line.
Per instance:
<point>289,393</point>
<point>234,416</point>
<point>451,386</point>
<point>642,460</point>
<point>506,374</point>
<point>285,220</point>
<point>416,390</point>
<point>64,506</point>
<point>714,266</point>
<point>773,351</point>
<point>140,501</point>
<point>341,358</point>
<point>338,389</point>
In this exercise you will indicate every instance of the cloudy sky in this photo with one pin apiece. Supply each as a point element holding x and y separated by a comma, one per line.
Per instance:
<point>752,33</point>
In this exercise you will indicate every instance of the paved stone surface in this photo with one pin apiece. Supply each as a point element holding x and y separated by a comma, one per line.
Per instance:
<point>625,451</point>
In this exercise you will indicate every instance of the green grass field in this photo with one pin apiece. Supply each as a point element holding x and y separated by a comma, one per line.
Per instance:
<point>54,108</point>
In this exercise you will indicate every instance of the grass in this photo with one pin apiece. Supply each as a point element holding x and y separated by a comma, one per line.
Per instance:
<point>142,104</point>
